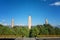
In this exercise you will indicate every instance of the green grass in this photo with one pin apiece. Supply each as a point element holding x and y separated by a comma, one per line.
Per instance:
<point>16,36</point>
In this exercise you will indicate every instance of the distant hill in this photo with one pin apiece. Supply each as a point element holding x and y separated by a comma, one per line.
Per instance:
<point>58,26</point>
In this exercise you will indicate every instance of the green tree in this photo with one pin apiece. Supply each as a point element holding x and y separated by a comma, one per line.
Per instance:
<point>34,32</point>
<point>50,29</point>
<point>42,30</point>
<point>57,31</point>
<point>22,31</point>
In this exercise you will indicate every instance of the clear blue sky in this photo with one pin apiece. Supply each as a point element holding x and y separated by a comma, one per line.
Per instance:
<point>38,9</point>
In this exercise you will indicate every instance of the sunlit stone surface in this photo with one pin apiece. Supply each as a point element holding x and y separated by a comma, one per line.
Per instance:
<point>12,23</point>
<point>29,22</point>
<point>46,21</point>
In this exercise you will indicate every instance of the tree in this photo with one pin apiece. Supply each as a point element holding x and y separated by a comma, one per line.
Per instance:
<point>5,31</point>
<point>42,30</point>
<point>57,31</point>
<point>34,32</point>
<point>22,31</point>
<point>1,25</point>
<point>50,29</point>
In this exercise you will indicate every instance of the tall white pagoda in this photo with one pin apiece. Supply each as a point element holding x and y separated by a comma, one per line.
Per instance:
<point>12,23</point>
<point>29,22</point>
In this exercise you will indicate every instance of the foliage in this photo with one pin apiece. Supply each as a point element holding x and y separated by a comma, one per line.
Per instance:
<point>23,31</point>
<point>34,32</point>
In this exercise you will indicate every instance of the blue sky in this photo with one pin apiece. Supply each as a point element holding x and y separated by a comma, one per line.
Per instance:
<point>38,9</point>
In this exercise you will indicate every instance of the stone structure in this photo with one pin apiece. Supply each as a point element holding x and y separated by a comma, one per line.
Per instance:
<point>29,22</point>
<point>12,23</point>
<point>46,21</point>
